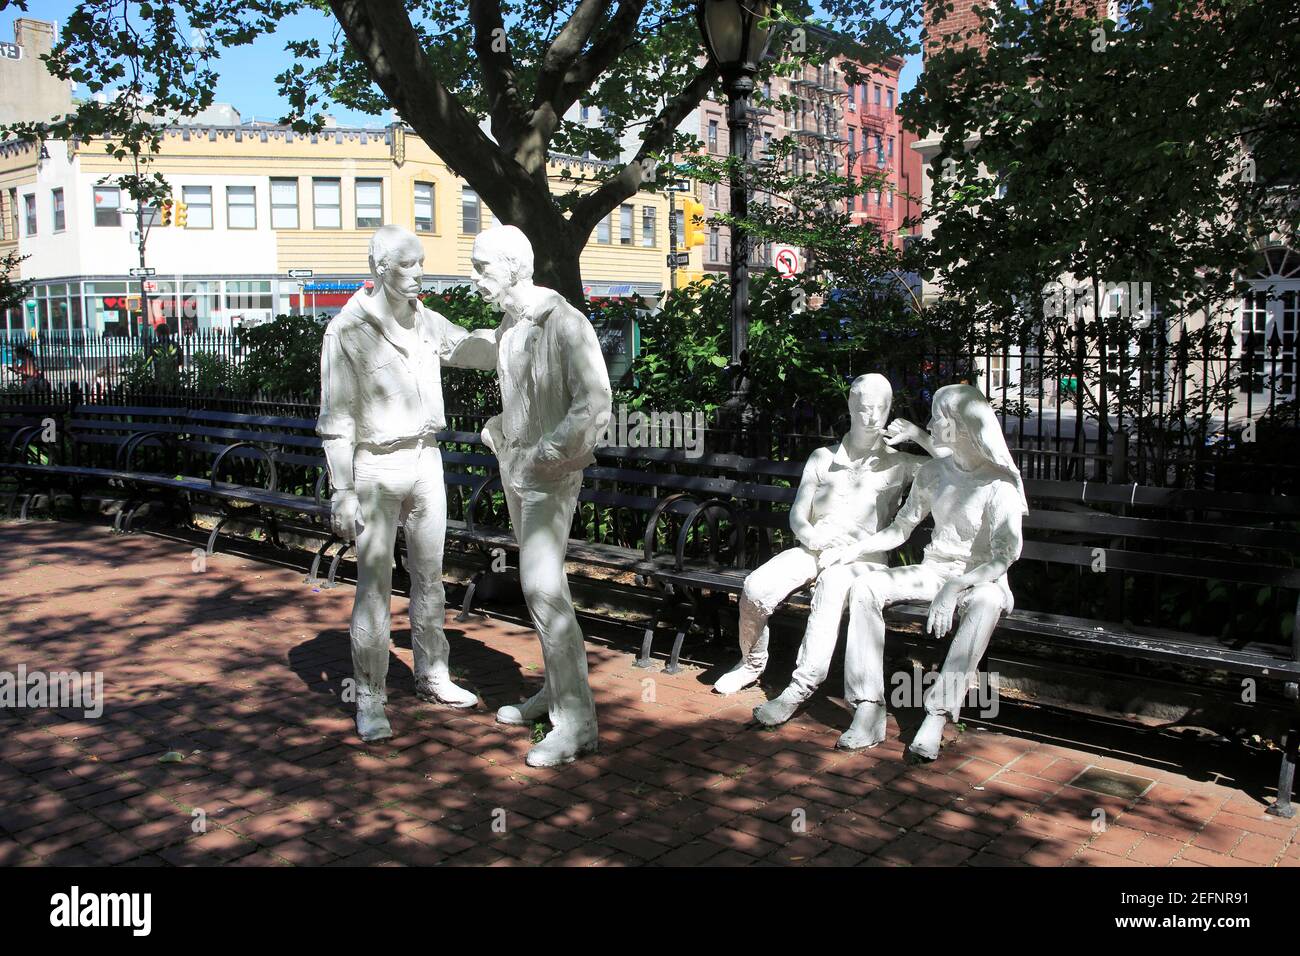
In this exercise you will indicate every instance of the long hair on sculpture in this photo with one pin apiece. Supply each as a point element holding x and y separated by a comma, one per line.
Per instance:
<point>967,405</point>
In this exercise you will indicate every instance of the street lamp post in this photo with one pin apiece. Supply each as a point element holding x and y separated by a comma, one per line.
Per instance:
<point>736,35</point>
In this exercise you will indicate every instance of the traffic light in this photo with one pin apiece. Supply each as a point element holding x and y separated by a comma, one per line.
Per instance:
<point>693,214</point>
<point>166,219</point>
<point>182,214</point>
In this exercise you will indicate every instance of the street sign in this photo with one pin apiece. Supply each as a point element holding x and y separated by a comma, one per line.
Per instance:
<point>678,185</point>
<point>299,273</point>
<point>679,260</point>
<point>787,261</point>
<point>139,273</point>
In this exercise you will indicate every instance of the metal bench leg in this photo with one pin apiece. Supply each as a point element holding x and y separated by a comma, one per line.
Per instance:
<point>334,565</point>
<point>674,659</point>
<point>130,517</point>
<point>22,511</point>
<point>467,606</point>
<point>313,576</point>
<point>645,660</point>
<point>1282,806</point>
<point>212,538</point>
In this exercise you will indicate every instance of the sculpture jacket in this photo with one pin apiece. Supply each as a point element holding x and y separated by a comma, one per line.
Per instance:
<point>555,393</point>
<point>376,392</point>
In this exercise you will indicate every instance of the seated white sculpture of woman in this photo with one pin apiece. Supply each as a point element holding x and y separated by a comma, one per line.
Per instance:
<point>977,499</point>
<point>846,491</point>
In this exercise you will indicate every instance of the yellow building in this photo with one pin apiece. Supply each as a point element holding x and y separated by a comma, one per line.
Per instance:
<point>261,200</point>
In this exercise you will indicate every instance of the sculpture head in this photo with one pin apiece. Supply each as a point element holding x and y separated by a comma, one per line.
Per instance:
<point>963,420</point>
<point>502,258</point>
<point>396,262</point>
<point>870,399</point>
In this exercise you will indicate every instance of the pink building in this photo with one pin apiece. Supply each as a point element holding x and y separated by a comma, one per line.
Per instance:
<point>854,130</point>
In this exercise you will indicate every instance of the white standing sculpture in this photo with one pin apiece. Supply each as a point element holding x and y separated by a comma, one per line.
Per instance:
<point>555,400</point>
<point>847,491</point>
<point>977,499</point>
<point>381,406</point>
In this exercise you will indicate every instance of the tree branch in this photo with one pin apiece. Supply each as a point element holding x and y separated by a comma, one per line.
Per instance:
<point>593,207</point>
<point>498,70</point>
<point>567,46</point>
<point>382,36</point>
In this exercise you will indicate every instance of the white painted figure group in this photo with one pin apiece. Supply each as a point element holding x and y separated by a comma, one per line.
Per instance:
<point>381,407</point>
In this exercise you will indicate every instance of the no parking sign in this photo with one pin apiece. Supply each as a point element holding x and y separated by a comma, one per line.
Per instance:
<point>787,261</point>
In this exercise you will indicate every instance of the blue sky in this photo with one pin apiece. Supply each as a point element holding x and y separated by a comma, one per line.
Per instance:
<point>247,73</point>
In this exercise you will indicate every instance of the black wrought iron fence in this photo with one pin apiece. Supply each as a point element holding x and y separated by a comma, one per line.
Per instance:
<point>1206,409</point>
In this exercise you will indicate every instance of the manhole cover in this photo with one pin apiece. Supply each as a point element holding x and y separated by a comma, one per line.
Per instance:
<point>1111,783</point>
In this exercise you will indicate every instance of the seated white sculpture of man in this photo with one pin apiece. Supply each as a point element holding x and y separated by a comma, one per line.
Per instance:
<point>978,500</point>
<point>381,406</point>
<point>555,401</point>
<point>847,491</point>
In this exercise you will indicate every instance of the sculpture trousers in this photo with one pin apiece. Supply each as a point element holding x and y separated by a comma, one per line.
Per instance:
<point>541,514</point>
<point>978,610</point>
<point>775,580</point>
<point>399,486</point>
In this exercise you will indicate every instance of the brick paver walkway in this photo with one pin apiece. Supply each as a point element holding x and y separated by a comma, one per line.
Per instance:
<point>239,668</point>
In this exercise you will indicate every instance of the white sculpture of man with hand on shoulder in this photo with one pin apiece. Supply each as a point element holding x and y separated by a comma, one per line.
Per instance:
<point>977,499</point>
<point>381,407</point>
<point>555,400</point>
<point>847,491</point>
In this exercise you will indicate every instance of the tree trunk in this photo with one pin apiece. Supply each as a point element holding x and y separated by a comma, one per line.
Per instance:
<point>556,260</point>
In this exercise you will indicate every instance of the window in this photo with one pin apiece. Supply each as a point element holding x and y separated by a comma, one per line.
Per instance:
<point>713,136</point>
<point>680,220</point>
<point>149,215</point>
<point>326,204</point>
<point>108,206</point>
<point>713,244</point>
<point>853,142</point>
<point>424,207</point>
<point>471,212</point>
<point>284,204</point>
<point>29,213</point>
<point>890,99</point>
<point>602,229</point>
<point>584,114</point>
<point>648,236</point>
<point>10,225</point>
<point>713,195</point>
<point>890,154</point>
<point>875,97</point>
<point>60,216</point>
<point>198,200</point>
<point>625,224</point>
<point>370,203</point>
<point>851,103</point>
<point>241,207</point>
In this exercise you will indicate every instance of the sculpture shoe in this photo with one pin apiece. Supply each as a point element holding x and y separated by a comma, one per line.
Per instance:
<point>372,722</point>
<point>738,678</point>
<point>443,691</point>
<point>563,746</point>
<point>867,729</point>
<point>528,712</point>
<point>928,740</point>
<point>779,709</point>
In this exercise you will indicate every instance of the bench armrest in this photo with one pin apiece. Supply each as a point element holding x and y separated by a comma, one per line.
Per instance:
<point>652,525</point>
<point>21,439</point>
<point>703,508</point>
<point>128,447</point>
<point>482,488</point>
<point>269,457</point>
